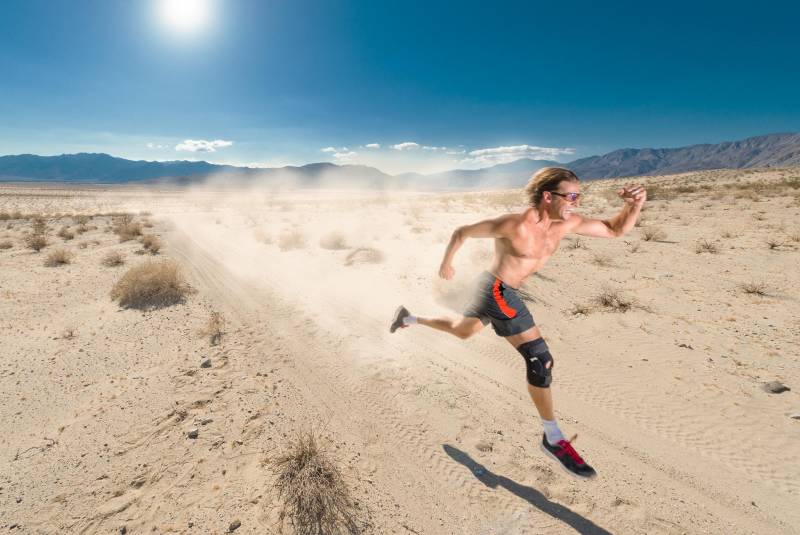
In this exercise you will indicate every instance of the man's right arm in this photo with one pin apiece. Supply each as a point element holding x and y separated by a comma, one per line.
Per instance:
<point>500,227</point>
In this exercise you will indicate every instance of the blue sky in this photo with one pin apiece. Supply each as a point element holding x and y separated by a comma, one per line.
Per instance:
<point>403,86</point>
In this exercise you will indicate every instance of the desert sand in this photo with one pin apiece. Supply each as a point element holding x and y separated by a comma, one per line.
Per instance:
<point>663,383</point>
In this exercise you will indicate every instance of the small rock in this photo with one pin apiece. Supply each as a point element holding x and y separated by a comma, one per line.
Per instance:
<point>206,363</point>
<point>206,421</point>
<point>234,526</point>
<point>795,416</point>
<point>19,499</point>
<point>193,433</point>
<point>483,446</point>
<point>687,346</point>
<point>775,387</point>
<point>123,530</point>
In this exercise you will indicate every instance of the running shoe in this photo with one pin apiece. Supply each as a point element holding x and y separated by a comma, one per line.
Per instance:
<point>568,458</point>
<point>397,320</point>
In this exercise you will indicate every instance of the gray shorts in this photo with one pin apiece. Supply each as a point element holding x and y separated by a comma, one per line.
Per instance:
<point>499,304</point>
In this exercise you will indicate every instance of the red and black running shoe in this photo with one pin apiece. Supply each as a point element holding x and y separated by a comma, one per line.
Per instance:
<point>568,458</point>
<point>397,321</point>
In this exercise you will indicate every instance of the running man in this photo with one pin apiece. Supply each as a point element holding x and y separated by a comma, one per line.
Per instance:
<point>523,243</point>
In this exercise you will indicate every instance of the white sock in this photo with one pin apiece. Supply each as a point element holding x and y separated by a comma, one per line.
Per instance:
<point>410,320</point>
<point>552,432</point>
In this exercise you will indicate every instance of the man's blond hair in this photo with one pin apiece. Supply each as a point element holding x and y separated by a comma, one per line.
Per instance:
<point>547,179</point>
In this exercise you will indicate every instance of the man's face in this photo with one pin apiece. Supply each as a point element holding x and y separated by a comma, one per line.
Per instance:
<point>561,205</point>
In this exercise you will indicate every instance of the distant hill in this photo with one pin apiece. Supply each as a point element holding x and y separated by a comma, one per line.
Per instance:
<point>774,150</point>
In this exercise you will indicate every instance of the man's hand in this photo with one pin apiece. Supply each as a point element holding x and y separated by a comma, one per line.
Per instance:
<point>635,195</point>
<point>446,272</point>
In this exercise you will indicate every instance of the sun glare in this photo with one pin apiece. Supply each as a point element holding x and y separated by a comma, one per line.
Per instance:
<point>185,16</point>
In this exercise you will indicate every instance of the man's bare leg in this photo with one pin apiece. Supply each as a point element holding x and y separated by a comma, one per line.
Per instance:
<point>463,328</point>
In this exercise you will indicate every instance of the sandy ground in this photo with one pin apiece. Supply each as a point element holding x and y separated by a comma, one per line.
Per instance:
<point>433,434</point>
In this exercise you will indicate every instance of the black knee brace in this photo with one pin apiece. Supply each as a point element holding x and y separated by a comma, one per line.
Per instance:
<point>538,361</point>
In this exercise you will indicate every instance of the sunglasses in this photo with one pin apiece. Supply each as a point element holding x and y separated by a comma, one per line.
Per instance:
<point>571,196</point>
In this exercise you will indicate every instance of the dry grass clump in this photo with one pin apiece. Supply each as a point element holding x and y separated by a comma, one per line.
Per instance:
<point>315,498</point>
<point>727,234</point>
<point>214,328</point>
<point>653,234</point>
<point>364,255</point>
<point>614,300</point>
<point>37,242</point>
<point>151,243</point>
<point>293,239</point>
<point>126,228</point>
<point>113,259</point>
<point>754,288</point>
<point>706,246</point>
<point>66,234</point>
<point>334,241</point>
<point>602,260</point>
<point>58,257</point>
<point>39,225</point>
<point>81,219</point>
<point>6,244</point>
<point>151,285</point>
<point>773,244</point>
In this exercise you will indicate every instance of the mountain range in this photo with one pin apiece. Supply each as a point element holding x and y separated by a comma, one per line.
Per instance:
<point>773,150</point>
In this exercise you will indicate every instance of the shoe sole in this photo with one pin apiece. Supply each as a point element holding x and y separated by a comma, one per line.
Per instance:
<point>395,319</point>
<point>564,468</point>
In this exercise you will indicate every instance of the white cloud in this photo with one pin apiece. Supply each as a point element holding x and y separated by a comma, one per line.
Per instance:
<point>498,155</point>
<point>329,149</point>
<point>201,145</point>
<point>345,156</point>
<point>408,145</point>
<point>434,149</point>
<point>156,146</point>
<point>373,145</point>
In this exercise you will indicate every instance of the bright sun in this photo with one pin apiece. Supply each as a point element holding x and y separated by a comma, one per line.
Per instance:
<point>185,15</point>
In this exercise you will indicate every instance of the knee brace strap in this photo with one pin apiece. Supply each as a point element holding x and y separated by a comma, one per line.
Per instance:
<point>538,361</point>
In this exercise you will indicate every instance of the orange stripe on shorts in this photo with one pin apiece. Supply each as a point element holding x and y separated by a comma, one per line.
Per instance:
<point>498,297</point>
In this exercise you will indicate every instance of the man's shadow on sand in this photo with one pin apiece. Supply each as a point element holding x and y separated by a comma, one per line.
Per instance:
<point>529,494</point>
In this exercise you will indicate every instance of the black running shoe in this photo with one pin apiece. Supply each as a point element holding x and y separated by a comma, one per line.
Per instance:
<point>565,454</point>
<point>397,320</point>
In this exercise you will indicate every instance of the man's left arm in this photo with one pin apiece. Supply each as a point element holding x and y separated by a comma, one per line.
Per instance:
<point>620,224</point>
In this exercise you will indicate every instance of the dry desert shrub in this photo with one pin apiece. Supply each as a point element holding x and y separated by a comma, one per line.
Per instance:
<point>80,229</point>
<point>37,242</point>
<point>214,328</point>
<point>754,288</point>
<point>126,228</point>
<point>65,234</point>
<point>6,244</point>
<point>653,234</point>
<point>334,241</point>
<point>151,243</point>
<point>316,500</point>
<point>364,255</point>
<point>602,260</point>
<point>773,244</point>
<point>5,216</point>
<point>795,237</point>
<point>294,239</point>
<point>39,225</point>
<point>58,257</point>
<point>727,234</point>
<point>81,219</point>
<point>113,259</point>
<point>151,285</point>
<point>614,300</point>
<point>706,246</point>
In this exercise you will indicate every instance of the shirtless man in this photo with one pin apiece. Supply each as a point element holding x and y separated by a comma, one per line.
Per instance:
<point>523,243</point>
